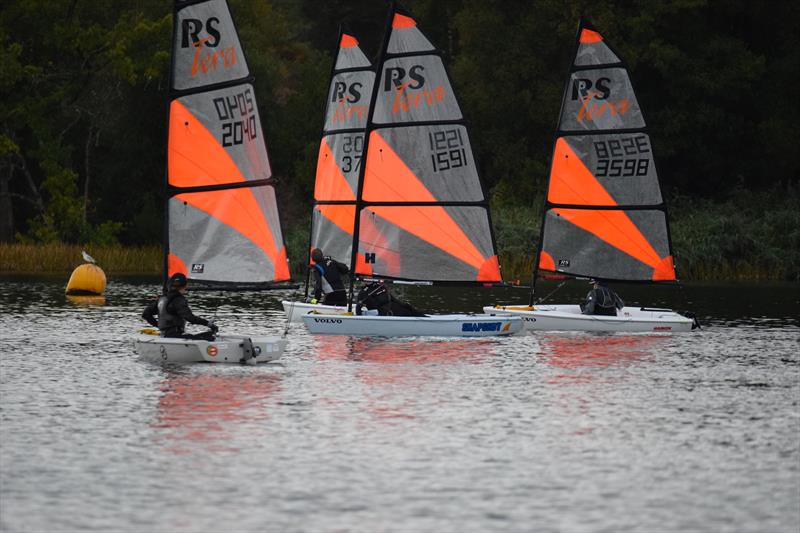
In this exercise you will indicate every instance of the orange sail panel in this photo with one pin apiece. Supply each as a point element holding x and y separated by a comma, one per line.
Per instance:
<point>571,182</point>
<point>615,228</point>
<point>196,157</point>
<point>432,224</point>
<point>342,215</point>
<point>388,179</point>
<point>239,209</point>
<point>330,182</point>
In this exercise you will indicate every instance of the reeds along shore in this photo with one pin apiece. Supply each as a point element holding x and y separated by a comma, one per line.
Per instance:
<point>748,237</point>
<point>54,258</point>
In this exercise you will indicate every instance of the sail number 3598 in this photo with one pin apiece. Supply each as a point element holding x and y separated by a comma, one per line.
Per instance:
<point>617,157</point>
<point>240,108</point>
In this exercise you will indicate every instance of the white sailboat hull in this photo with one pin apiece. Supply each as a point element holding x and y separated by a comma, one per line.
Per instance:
<point>295,310</point>
<point>224,349</point>
<point>565,317</point>
<point>412,326</point>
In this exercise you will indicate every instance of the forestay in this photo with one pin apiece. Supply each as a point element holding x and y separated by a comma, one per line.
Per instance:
<point>223,225</point>
<point>339,161</point>
<point>421,210</point>
<point>604,215</point>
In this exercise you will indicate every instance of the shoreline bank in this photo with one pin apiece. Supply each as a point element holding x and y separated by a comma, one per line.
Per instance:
<point>61,259</point>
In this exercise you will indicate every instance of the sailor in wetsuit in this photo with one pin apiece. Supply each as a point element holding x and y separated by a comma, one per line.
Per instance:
<point>328,278</point>
<point>376,296</point>
<point>601,300</point>
<point>173,312</point>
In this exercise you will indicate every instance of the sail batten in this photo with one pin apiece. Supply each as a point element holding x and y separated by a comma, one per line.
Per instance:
<point>604,215</point>
<point>422,212</point>
<point>222,220</point>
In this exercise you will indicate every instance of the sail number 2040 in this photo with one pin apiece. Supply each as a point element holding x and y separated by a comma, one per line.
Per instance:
<point>237,111</point>
<point>621,157</point>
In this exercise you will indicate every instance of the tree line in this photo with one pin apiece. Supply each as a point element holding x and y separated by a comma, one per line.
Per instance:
<point>84,87</point>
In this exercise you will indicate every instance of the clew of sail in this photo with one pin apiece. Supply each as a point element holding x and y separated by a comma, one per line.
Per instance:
<point>604,214</point>
<point>222,218</point>
<point>339,161</point>
<point>422,212</point>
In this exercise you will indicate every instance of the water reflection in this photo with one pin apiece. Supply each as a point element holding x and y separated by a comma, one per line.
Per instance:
<point>419,351</point>
<point>399,380</point>
<point>586,350</point>
<point>210,406</point>
<point>84,300</point>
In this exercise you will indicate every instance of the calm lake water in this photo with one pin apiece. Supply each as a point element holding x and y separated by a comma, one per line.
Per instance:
<point>544,432</point>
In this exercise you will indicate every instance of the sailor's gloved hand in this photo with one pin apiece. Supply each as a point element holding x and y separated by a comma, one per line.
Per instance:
<point>213,327</point>
<point>313,300</point>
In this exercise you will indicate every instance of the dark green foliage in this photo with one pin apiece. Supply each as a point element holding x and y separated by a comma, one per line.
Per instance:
<point>84,91</point>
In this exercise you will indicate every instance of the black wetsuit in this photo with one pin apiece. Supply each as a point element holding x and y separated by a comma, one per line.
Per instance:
<point>377,296</point>
<point>328,281</point>
<point>173,313</point>
<point>602,301</point>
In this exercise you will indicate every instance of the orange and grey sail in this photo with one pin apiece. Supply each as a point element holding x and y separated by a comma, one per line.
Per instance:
<point>604,214</point>
<point>222,219</point>
<point>339,161</point>
<point>421,213</point>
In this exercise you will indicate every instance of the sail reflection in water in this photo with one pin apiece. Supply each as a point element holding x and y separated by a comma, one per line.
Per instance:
<point>403,380</point>
<point>404,352</point>
<point>212,408</point>
<point>587,351</point>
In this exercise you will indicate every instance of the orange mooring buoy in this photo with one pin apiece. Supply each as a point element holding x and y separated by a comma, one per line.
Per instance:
<point>87,279</point>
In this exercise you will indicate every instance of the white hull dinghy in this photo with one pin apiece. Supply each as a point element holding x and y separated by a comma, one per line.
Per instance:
<point>413,326</point>
<point>570,318</point>
<point>224,349</point>
<point>295,310</point>
<point>604,216</point>
<point>413,209</point>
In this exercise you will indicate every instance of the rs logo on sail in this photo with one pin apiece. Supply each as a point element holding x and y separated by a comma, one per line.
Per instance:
<point>589,91</point>
<point>480,326</point>
<point>394,79</point>
<point>190,36</point>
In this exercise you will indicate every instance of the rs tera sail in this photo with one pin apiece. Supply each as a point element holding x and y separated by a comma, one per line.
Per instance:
<point>604,215</point>
<point>222,218</point>
<point>340,150</point>
<point>421,213</point>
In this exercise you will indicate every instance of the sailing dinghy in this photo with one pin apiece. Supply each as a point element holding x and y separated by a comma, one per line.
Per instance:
<point>604,216</point>
<point>419,213</point>
<point>339,162</point>
<point>228,348</point>
<point>221,222</point>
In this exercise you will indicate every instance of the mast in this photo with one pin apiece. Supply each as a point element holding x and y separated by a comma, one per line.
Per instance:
<point>325,112</point>
<point>604,216</point>
<point>341,149</point>
<point>360,187</point>
<point>535,266</point>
